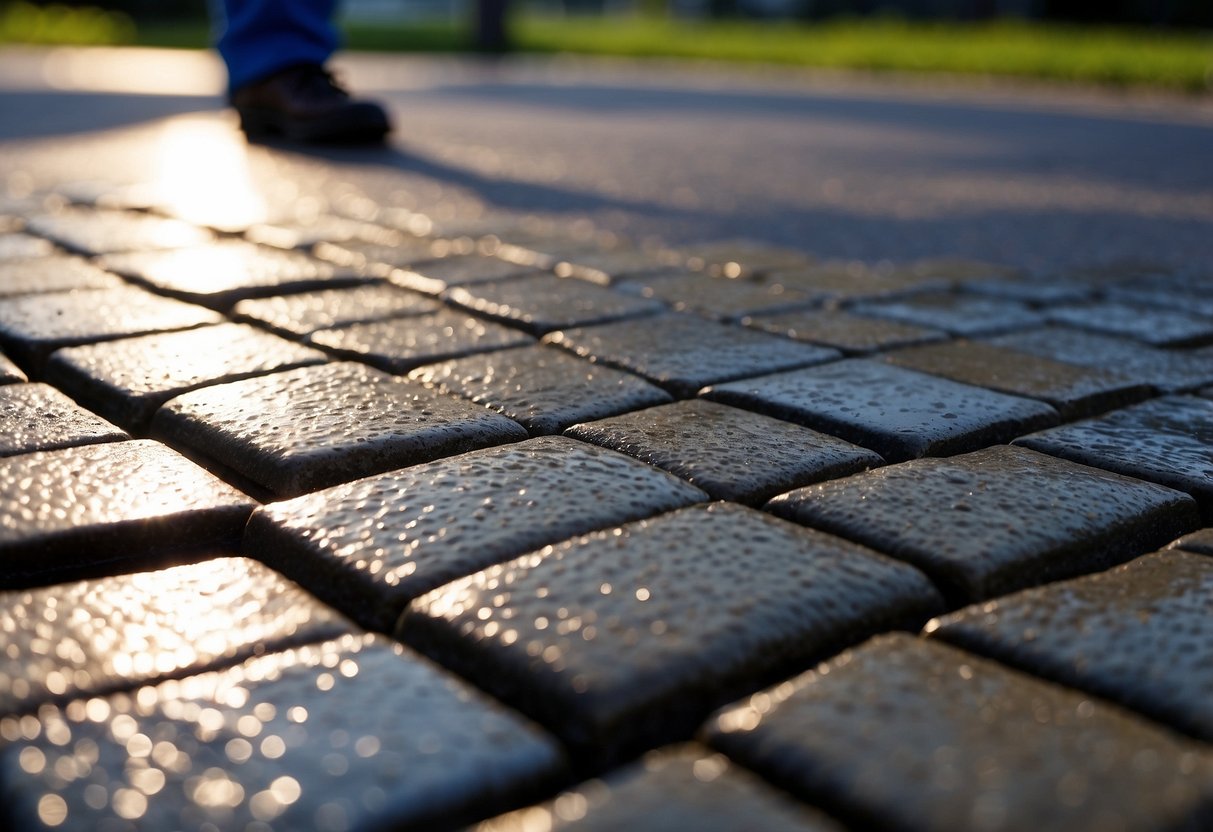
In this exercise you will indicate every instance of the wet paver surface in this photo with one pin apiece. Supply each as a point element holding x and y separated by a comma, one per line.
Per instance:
<point>362,490</point>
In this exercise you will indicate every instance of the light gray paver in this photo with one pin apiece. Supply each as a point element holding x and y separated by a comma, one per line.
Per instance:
<point>541,303</point>
<point>1158,327</point>
<point>436,276</point>
<point>303,314</point>
<point>852,334</point>
<point>723,298</point>
<point>957,313</point>
<point>10,373</point>
<point>90,231</point>
<point>52,274</point>
<point>37,417</point>
<point>17,246</point>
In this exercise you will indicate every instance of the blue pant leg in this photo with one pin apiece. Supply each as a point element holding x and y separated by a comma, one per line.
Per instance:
<point>260,37</point>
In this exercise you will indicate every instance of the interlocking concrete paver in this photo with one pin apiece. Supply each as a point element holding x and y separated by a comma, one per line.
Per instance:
<point>852,334</point>
<point>542,248</point>
<point>683,353</point>
<point>17,246</point>
<point>723,298</point>
<point>899,413</point>
<point>37,417</point>
<point>1140,635</point>
<point>993,521</point>
<point>88,508</point>
<point>1074,391</point>
<point>118,633</point>
<point>629,637</point>
<point>1167,440</point>
<point>381,256</point>
<point>52,274</point>
<point>678,788</point>
<point>905,733</point>
<point>606,267</point>
<point>543,302</point>
<point>1201,541</point>
<point>960,314</point>
<point>404,344</point>
<point>731,454</point>
<point>436,276</point>
<point>92,232</point>
<point>1164,296</point>
<point>128,379</point>
<point>305,429</point>
<point>370,547</point>
<point>323,228</point>
<point>739,257</point>
<point>1037,292</point>
<point>10,373</point>
<point>543,388</point>
<point>34,326</point>
<point>847,282</point>
<point>293,740</point>
<point>304,314</point>
<point>1157,327</point>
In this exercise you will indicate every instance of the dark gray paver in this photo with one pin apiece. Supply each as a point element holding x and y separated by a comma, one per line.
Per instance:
<point>293,740</point>
<point>1140,635</point>
<point>438,275</point>
<point>400,345</point>
<point>1164,296</point>
<point>676,789</point>
<point>731,454</point>
<point>128,379</point>
<point>86,508</point>
<point>740,257</point>
<point>847,281</point>
<point>222,273</point>
<point>541,303</point>
<point>852,334</point>
<point>34,326</point>
<point>908,734</point>
<point>997,520</point>
<point>1074,391</point>
<point>543,388</point>
<point>118,633</point>
<point>1037,292</point>
<point>1165,370</point>
<point>10,373</point>
<point>304,314</point>
<point>313,427</point>
<point>52,274</point>
<point>606,267</point>
<point>91,231</point>
<point>1167,440</point>
<point>899,413</point>
<point>683,353</point>
<point>628,637</point>
<point>1158,327</point>
<point>37,417</point>
<point>370,547</point>
<point>957,313</point>
<point>722,298</point>
<point>17,246</point>
<point>1201,541</point>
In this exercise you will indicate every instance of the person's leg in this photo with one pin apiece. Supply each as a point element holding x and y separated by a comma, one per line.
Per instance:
<point>261,37</point>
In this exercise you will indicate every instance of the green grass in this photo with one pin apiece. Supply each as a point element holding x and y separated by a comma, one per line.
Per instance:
<point>26,23</point>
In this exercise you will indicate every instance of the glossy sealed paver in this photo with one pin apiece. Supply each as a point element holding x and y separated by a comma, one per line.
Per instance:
<point>1167,440</point>
<point>541,303</point>
<point>993,521</point>
<point>606,267</point>
<point>731,454</point>
<point>436,276</point>
<point>959,314</point>
<point>1158,327</point>
<point>1140,635</point>
<point>541,387</point>
<point>128,379</point>
<point>37,417</point>
<point>904,733</point>
<point>52,274</point>
<point>17,246</point>
<point>852,334</point>
<point>683,353</point>
<point>370,547</point>
<point>88,508</point>
<point>628,637</point>
<point>292,740</point>
<point>722,298</point>
<point>118,633</point>
<point>93,232</point>
<point>313,427</point>
<point>303,314</point>
<point>1074,391</point>
<point>899,413</point>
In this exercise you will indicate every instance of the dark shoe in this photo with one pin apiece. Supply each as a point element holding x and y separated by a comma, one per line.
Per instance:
<point>304,104</point>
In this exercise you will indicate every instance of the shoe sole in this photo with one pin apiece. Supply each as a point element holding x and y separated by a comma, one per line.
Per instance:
<point>360,127</point>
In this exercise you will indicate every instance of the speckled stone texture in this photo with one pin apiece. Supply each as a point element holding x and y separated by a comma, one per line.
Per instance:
<point>626,638</point>
<point>1074,391</point>
<point>924,737</point>
<point>127,380</point>
<point>1167,440</point>
<point>722,298</point>
<point>52,274</point>
<point>90,231</point>
<point>10,373</point>
<point>382,256</point>
<point>438,275</point>
<point>304,314</point>
<point>220,274</point>
<point>305,233</point>
<point>1165,294</point>
<point>80,510</point>
<point>841,282</point>
<point>293,740</point>
<point>683,353</point>
<point>543,302</point>
<point>543,388</point>
<point>34,326</point>
<point>731,454</point>
<point>1201,541</point>
<point>1140,635</point>
<point>1033,291</point>
<point>606,267</point>
<point>37,417</point>
<point>960,314</point>
<point>313,427</point>
<point>371,546</point>
<point>404,344</point>
<point>990,522</point>
<point>852,334</point>
<point>677,789</point>
<point>93,637</point>
<point>23,246</point>
<point>899,413</point>
<point>741,257</point>
<point>1159,327</point>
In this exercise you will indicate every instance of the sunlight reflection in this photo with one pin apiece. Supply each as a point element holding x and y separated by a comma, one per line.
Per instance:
<point>134,71</point>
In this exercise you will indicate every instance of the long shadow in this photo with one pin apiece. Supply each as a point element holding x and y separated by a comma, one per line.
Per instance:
<point>29,114</point>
